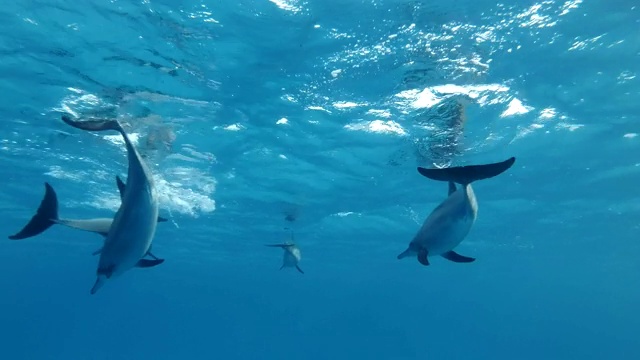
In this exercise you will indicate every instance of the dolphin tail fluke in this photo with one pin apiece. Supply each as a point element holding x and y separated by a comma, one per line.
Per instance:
<point>93,125</point>
<point>467,174</point>
<point>98,284</point>
<point>46,216</point>
<point>299,270</point>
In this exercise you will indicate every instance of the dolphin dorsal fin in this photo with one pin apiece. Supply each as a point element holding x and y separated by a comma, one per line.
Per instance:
<point>452,187</point>
<point>121,187</point>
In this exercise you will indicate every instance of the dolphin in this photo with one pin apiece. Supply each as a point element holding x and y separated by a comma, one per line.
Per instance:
<point>131,233</point>
<point>47,215</point>
<point>450,222</point>
<point>291,256</point>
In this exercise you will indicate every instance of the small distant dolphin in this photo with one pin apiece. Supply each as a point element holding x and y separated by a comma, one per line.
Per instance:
<point>291,256</point>
<point>131,234</point>
<point>47,215</point>
<point>450,222</point>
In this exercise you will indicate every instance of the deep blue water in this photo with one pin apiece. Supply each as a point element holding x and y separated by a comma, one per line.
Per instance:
<point>249,112</point>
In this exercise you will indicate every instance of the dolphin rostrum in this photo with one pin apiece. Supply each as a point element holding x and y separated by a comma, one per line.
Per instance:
<point>450,222</point>
<point>131,234</point>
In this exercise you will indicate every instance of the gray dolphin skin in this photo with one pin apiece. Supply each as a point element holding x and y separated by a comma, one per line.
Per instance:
<point>47,215</point>
<point>291,256</point>
<point>450,222</point>
<point>131,234</point>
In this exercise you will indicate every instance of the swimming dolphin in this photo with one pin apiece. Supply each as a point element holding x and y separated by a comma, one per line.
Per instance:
<point>131,234</point>
<point>450,222</point>
<point>291,256</point>
<point>47,215</point>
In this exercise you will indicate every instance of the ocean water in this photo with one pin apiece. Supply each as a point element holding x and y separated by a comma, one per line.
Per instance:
<point>266,118</point>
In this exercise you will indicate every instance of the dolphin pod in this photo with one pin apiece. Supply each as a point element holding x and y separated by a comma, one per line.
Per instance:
<point>128,236</point>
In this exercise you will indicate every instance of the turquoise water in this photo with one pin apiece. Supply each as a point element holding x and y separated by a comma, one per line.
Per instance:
<point>256,116</point>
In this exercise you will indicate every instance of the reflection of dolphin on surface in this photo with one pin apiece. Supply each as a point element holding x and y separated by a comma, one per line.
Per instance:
<point>442,140</point>
<point>158,141</point>
<point>47,215</point>
<point>143,63</point>
<point>291,214</point>
<point>450,222</point>
<point>291,256</point>
<point>131,234</point>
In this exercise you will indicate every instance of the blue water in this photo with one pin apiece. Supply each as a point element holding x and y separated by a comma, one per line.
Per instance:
<point>252,112</point>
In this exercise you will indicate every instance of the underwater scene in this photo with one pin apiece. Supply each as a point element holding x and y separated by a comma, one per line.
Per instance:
<point>320,179</point>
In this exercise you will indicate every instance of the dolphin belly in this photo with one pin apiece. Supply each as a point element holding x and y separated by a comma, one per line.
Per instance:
<point>132,238</point>
<point>448,224</point>
<point>291,258</point>
<point>448,237</point>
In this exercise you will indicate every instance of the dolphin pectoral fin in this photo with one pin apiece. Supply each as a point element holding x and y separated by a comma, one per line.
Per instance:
<point>467,174</point>
<point>144,263</point>
<point>278,245</point>
<point>45,216</point>
<point>97,252</point>
<point>121,187</point>
<point>98,284</point>
<point>422,257</point>
<point>452,187</point>
<point>161,219</point>
<point>455,257</point>
<point>300,270</point>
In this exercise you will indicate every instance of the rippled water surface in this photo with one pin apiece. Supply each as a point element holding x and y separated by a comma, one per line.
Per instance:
<point>261,115</point>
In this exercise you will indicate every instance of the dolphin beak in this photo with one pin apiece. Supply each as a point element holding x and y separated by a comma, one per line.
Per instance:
<point>406,253</point>
<point>98,284</point>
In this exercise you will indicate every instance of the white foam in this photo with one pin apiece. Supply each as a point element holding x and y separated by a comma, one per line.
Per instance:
<point>287,5</point>
<point>234,127</point>
<point>377,126</point>
<point>346,104</point>
<point>431,96</point>
<point>516,107</point>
